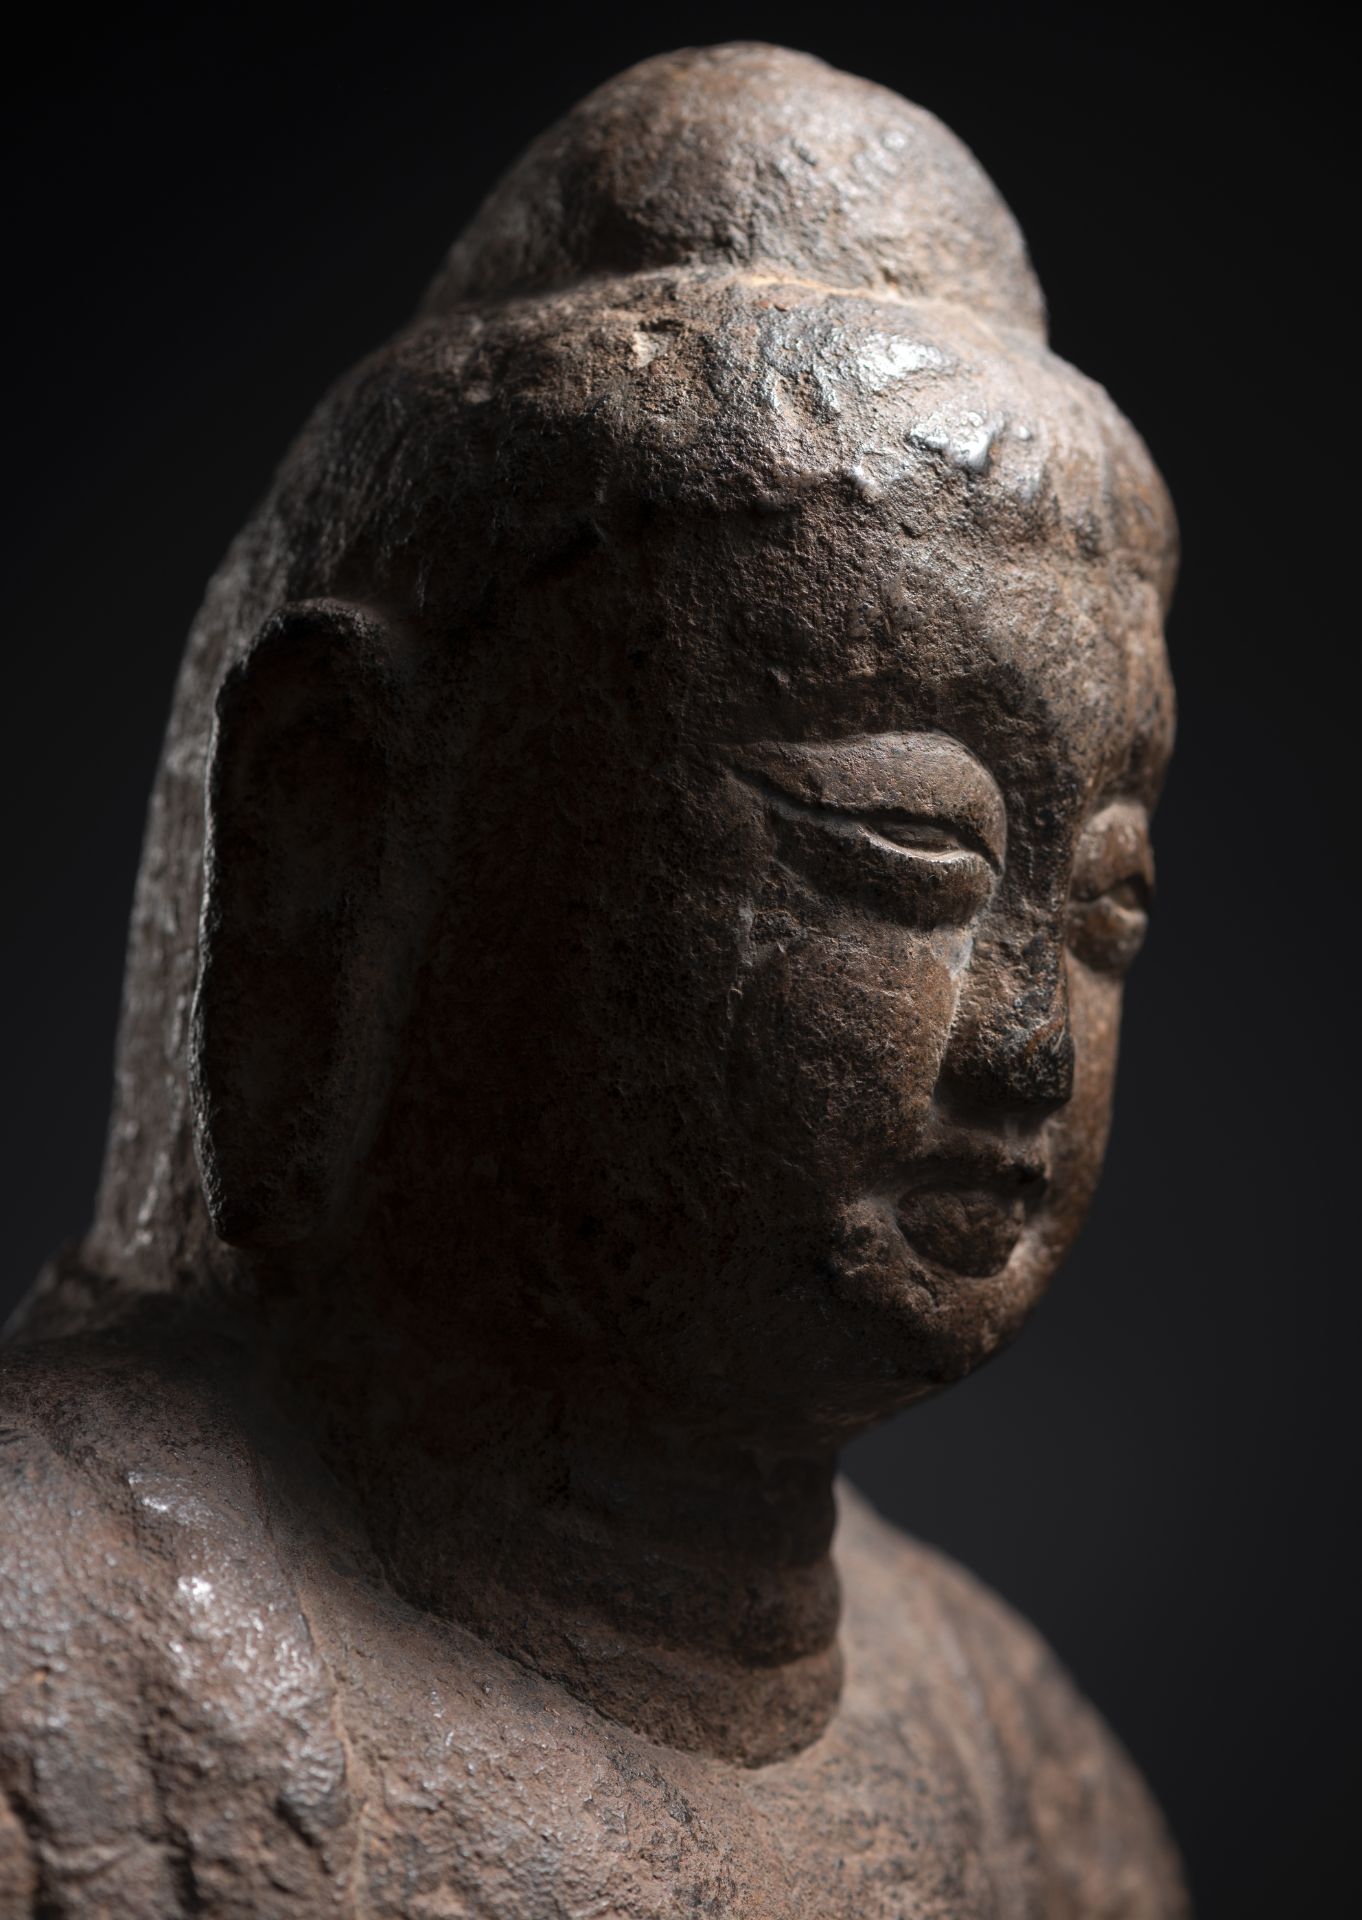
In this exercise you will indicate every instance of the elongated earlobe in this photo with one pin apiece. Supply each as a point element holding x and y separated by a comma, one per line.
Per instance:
<point>317,891</point>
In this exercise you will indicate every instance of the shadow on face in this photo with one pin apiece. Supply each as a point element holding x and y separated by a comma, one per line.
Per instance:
<point>686,722</point>
<point>773,1026</point>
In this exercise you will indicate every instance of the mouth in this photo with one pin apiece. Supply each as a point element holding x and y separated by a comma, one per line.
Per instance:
<point>969,1219</point>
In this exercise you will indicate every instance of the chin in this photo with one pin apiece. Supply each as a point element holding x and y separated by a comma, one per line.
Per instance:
<point>920,1322</point>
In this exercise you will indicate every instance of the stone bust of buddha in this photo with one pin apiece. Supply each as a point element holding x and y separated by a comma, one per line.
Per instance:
<point>623,992</point>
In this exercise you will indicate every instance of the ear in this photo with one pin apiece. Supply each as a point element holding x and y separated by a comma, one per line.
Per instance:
<point>321,862</point>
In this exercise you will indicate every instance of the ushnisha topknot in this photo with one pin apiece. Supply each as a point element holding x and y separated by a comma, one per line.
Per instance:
<point>623,994</point>
<point>755,158</point>
<point>734,297</point>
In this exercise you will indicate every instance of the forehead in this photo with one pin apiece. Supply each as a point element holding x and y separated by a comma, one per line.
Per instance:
<point>779,510</point>
<point>871,515</point>
<point>1047,664</point>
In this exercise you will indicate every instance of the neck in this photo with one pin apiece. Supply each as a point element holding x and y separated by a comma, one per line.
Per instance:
<point>678,1580</point>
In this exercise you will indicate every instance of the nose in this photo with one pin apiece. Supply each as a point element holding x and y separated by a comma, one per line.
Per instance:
<point>1011,1049</point>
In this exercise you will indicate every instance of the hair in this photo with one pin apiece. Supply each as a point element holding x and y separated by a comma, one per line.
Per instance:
<point>691,294</point>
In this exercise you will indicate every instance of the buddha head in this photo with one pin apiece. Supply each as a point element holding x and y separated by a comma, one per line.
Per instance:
<point>655,818</point>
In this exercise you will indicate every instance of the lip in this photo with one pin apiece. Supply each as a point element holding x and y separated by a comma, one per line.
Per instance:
<point>968,1215</point>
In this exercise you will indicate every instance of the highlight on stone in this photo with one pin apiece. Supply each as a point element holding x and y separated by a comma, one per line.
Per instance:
<point>623,993</point>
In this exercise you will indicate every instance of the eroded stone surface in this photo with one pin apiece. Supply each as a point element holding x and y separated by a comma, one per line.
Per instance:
<point>678,743</point>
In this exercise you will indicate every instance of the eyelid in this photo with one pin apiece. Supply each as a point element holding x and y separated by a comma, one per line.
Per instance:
<point>875,820</point>
<point>1114,847</point>
<point>880,823</point>
<point>929,778</point>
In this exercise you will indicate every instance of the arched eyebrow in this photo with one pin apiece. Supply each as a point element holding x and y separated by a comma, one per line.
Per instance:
<point>929,776</point>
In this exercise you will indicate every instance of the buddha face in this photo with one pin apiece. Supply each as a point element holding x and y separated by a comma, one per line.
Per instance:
<point>807,858</point>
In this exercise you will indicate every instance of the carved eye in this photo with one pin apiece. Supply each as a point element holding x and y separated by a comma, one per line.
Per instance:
<point>1113,889</point>
<point>906,826</point>
<point>1130,894</point>
<point>931,837</point>
<point>1108,932</point>
<point>921,872</point>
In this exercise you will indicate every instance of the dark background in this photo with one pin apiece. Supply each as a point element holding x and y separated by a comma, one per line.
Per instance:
<point>211,217</point>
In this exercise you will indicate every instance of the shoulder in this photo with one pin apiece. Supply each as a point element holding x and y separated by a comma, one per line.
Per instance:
<point>119,1474</point>
<point>1063,1802</point>
<point>158,1682</point>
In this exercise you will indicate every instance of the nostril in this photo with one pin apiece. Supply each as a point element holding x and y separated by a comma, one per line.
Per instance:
<point>1010,1049</point>
<point>1031,1184</point>
<point>1009,1073</point>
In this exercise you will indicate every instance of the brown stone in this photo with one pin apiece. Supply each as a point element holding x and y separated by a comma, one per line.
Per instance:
<point>623,992</point>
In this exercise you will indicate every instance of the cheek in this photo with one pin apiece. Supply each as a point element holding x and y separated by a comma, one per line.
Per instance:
<point>1079,1132</point>
<point>837,1044</point>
